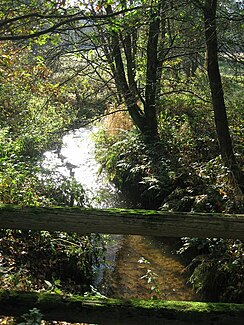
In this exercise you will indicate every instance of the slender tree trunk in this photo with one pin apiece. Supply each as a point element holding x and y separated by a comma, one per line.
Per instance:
<point>113,70</point>
<point>130,98</point>
<point>163,50</point>
<point>151,73</point>
<point>221,121</point>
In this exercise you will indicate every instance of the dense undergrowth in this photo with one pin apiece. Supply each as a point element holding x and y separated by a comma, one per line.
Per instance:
<point>33,118</point>
<point>184,172</point>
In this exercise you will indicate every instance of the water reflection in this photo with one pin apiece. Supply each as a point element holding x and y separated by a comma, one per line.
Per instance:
<point>77,158</point>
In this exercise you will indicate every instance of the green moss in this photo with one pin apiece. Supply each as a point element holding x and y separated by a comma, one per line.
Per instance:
<point>182,306</point>
<point>77,308</point>
<point>185,306</point>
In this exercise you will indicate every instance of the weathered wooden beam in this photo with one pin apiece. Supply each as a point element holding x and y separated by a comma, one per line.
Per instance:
<point>109,311</point>
<point>123,221</point>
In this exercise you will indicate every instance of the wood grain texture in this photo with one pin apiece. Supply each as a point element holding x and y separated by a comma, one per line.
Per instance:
<point>123,221</point>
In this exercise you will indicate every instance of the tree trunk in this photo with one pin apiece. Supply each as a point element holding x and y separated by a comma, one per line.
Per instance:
<point>130,97</point>
<point>123,221</point>
<point>151,73</point>
<point>163,50</point>
<point>145,119</point>
<point>221,121</point>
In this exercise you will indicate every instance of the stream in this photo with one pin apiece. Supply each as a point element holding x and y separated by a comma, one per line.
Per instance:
<point>135,266</point>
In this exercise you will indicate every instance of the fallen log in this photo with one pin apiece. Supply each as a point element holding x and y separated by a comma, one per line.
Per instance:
<point>109,311</point>
<point>123,221</point>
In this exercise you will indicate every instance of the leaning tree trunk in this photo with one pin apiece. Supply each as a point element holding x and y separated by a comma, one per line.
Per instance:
<point>145,119</point>
<point>221,121</point>
<point>122,85</point>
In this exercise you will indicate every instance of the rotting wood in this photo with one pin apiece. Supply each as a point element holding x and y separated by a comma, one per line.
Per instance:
<point>109,311</point>
<point>123,221</point>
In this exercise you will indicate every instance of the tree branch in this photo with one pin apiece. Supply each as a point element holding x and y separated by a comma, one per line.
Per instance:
<point>67,20</point>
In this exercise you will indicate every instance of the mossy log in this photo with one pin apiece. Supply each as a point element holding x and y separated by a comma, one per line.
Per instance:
<point>119,312</point>
<point>123,221</point>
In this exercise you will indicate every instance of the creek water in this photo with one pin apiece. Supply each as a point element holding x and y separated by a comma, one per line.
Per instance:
<point>135,266</point>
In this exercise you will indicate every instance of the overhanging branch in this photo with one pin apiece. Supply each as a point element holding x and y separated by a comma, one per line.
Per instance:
<point>65,20</point>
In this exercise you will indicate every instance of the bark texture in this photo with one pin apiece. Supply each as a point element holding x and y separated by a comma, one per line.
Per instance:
<point>141,105</point>
<point>221,120</point>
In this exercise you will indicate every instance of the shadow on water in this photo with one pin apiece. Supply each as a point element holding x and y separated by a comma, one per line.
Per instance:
<point>135,266</point>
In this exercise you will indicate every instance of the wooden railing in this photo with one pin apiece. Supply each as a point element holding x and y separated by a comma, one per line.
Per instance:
<point>121,221</point>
